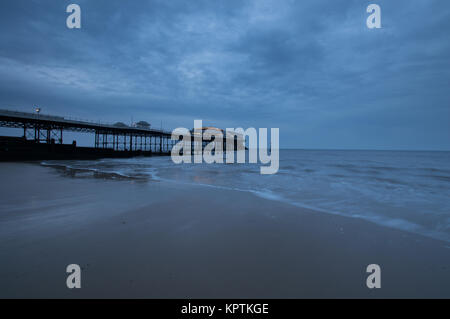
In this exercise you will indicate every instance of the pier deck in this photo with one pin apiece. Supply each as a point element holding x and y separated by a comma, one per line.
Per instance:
<point>43,138</point>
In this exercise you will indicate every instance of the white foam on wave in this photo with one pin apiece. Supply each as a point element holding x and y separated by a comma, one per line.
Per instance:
<point>338,183</point>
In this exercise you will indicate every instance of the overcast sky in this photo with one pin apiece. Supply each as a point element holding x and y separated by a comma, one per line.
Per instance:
<point>310,67</point>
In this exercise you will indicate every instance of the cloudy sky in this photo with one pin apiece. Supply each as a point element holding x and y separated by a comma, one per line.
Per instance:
<point>310,67</point>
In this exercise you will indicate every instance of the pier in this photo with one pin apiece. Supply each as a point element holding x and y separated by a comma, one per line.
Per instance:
<point>43,137</point>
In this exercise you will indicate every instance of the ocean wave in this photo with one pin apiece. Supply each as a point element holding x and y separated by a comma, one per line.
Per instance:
<point>69,170</point>
<point>387,188</point>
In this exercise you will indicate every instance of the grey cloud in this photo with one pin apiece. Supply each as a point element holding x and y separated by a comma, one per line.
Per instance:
<point>311,68</point>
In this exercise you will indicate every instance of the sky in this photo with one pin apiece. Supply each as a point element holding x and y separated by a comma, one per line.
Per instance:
<point>311,68</point>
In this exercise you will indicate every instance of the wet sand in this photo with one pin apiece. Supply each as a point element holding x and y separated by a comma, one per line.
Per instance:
<point>153,239</point>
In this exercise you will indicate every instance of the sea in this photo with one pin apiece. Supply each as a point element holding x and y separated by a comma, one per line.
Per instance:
<point>407,190</point>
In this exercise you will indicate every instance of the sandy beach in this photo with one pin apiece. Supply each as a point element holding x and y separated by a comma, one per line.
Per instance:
<point>153,239</point>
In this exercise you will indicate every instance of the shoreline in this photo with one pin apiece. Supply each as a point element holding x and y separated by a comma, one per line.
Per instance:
<point>170,241</point>
<point>400,224</point>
